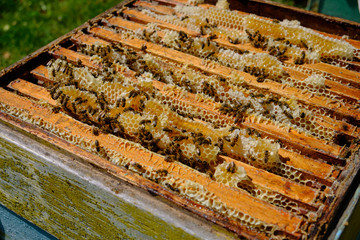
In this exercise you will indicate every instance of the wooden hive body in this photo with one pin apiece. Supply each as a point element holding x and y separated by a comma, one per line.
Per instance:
<point>265,127</point>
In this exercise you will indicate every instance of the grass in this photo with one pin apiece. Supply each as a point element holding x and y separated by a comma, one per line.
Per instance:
<point>295,3</point>
<point>27,25</point>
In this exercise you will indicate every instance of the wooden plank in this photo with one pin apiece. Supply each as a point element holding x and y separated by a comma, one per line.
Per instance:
<point>120,22</point>
<point>227,195</point>
<point>339,126</point>
<point>321,170</point>
<point>88,39</point>
<point>336,71</point>
<point>161,9</point>
<point>68,53</point>
<point>41,73</point>
<point>313,147</point>
<point>278,184</point>
<point>29,89</point>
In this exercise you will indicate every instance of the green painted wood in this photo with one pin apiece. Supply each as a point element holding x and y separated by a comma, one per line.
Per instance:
<point>69,207</point>
<point>347,9</point>
<point>74,200</point>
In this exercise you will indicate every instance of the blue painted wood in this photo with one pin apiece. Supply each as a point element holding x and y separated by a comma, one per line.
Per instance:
<point>14,227</point>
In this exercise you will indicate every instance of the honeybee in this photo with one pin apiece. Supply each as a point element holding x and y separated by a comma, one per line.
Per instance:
<point>74,106</point>
<point>279,39</point>
<point>212,36</point>
<point>183,36</point>
<point>304,45</point>
<point>239,118</point>
<point>64,101</point>
<point>102,101</point>
<point>144,121</point>
<point>233,41</point>
<point>55,94</point>
<point>178,44</point>
<point>180,138</point>
<point>95,131</point>
<point>174,189</point>
<point>167,129</point>
<point>300,60</point>
<point>141,105</point>
<point>162,172</point>
<point>143,47</point>
<point>133,93</point>
<point>260,79</point>
<point>79,63</point>
<point>266,156</point>
<point>227,138</point>
<point>288,115</point>
<point>129,109</point>
<point>202,30</point>
<point>276,21</point>
<point>236,138</point>
<point>97,145</point>
<point>155,121</point>
<point>231,167</point>
<point>83,111</point>
<point>210,54</point>
<point>120,101</point>
<point>222,79</point>
<point>56,109</point>
<point>136,165</point>
<point>169,158</point>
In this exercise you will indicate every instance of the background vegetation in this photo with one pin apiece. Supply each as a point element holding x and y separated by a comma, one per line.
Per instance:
<point>27,25</point>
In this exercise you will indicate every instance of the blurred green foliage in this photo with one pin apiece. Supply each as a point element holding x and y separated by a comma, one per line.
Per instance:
<point>27,25</point>
<point>295,3</point>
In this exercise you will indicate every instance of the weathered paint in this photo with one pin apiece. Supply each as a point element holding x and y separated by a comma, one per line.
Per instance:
<point>70,207</point>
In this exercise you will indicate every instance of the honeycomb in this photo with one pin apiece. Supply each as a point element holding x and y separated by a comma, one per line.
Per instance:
<point>283,39</point>
<point>230,174</point>
<point>261,65</point>
<point>204,91</point>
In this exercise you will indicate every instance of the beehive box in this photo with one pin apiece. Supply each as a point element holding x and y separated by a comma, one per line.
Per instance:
<point>175,119</point>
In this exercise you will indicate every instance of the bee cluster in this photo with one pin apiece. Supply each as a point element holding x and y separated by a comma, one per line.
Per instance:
<point>235,95</point>
<point>280,49</point>
<point>303,44</point>
<point>134,109</point>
